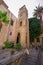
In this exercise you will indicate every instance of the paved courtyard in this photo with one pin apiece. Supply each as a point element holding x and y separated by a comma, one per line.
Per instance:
<point>30,59</point>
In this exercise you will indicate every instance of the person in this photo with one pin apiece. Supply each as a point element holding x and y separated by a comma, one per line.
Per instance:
<point>27,51</point>
<point>26,54</point>
<point>36,47</point>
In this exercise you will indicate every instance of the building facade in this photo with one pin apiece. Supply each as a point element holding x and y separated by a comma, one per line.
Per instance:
<point>4,31</point>
<point>18,30</point>
<point>39,40</point>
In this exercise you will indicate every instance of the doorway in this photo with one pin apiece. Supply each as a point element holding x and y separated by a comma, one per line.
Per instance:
<point>18,38</point>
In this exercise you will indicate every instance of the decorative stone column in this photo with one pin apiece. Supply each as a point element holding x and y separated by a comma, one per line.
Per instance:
<point>40,40</point>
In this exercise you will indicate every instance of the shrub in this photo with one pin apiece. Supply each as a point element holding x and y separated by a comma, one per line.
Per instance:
<point>18,46</point>
<point>3,17</point>
<point>8,44</point>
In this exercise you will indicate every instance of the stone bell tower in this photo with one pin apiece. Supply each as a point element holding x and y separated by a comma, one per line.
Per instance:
<point>23,27</point>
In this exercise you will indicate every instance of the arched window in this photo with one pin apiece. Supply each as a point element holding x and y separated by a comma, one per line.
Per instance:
<point>26,37</point>
<point>18,38</point>
<point>10,33</point>
<point>21,23</point>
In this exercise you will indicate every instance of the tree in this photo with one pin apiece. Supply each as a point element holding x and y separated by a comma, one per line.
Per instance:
<point>38,10</point>
<point>3,18</point>
<point>34,28</point>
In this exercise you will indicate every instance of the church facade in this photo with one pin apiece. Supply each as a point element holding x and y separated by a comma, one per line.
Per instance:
<point>18,30</point>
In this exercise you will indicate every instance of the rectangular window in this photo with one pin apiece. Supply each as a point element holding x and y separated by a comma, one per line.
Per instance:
<point>11,22</point>
<point>0,29</point>
<point>0,26</point>
<point>42,40</point>
<point>38,40</point>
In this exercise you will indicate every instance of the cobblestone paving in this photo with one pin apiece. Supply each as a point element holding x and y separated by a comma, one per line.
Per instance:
<point>30,59</point>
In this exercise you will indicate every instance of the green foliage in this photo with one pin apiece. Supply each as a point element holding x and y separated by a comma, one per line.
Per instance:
<point>18,46</point>
<point>38,9</point>
<point>41,48</point>
<point>34,28</point>
<point>8,44</point>
<point>3,17</point>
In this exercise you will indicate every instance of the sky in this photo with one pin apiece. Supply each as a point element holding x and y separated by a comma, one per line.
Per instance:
<point>14,5</point>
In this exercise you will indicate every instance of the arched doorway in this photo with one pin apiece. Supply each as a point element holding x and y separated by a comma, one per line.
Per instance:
<point>18,38</point>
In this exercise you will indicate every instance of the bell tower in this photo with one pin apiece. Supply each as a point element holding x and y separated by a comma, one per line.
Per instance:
<point>23,27</point>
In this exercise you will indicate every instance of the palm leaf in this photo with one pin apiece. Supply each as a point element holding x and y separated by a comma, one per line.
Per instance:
<point>38,9</point>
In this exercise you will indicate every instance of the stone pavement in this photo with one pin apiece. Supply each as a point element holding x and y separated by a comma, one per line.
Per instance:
<point>30,59</point>
<point>6,57</point>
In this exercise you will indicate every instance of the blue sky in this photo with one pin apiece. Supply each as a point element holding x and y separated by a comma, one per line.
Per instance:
<point>14,5</point>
